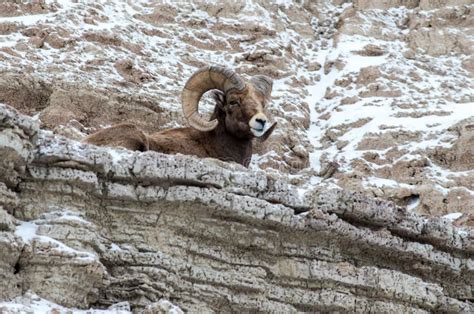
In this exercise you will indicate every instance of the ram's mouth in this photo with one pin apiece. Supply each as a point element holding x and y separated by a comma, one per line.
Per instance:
<point>257,132</point>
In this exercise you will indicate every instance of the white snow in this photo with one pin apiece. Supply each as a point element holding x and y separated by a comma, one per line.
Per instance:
<point>381,182</point>
<point>26,231</point>
<point>58,214</point>
<point>379,109</point>
<point>413,203</point>
<point>114,247</point>
<point>26,19</point>
<point>317,92</point>
<point>116,155</point>
<point>32,303</point>
<point>452,216</point>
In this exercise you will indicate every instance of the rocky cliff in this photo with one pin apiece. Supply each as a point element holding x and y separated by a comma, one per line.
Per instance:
<point>348,207</point>
<point>90,227</point>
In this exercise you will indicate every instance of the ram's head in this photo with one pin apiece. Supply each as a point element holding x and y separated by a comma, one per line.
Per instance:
<point>240,105</point>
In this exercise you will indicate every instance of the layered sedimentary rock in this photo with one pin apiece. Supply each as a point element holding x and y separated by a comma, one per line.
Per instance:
<point>83,226</point>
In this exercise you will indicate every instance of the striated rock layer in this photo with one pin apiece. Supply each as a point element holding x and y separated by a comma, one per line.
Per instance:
<point>83,226</point>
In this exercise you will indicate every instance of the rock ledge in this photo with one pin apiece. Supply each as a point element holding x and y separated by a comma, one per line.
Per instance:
<point>91,227</point>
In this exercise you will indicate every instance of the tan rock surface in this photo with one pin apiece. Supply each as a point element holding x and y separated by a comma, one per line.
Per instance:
<point>460,156</point>
<point>416,151</point>
<point>98,227</point>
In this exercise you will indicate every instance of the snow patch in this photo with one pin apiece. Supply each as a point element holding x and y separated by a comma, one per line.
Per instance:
<point>116,156</point>
<point>413,202</point>
<point>32,303</point>
<point>452,216</point>
<point>26,231</point>
<point>115,248</point>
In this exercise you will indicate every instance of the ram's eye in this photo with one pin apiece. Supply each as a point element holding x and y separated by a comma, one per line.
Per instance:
<point>233,103</point>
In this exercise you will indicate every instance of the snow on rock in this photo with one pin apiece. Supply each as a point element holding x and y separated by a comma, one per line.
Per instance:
<point>387,109</point>
<point>97,63</point>
<point>32,303</point>
<point>452,216</point>
<point>28,232</point>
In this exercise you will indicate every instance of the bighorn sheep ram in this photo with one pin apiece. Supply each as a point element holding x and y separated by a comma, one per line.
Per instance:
<point>238,118</point>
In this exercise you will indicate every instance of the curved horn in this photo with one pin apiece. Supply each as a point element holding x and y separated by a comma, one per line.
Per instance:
<point>263,84</point>
<point>204,79</point>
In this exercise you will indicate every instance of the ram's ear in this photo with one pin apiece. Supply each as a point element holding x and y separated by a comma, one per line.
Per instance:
<point>263,84</point>
<point>267,133</point>
<point>219,98</point>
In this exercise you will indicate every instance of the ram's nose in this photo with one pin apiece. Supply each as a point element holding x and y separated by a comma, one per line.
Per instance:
<point>261,121</point>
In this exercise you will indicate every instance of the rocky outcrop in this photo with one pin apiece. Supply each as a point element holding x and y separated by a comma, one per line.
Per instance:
<point>461,156</point>
<point>444,31</point>
<point>369,96</point>
<point>416,60</point>
<point>100,226</point>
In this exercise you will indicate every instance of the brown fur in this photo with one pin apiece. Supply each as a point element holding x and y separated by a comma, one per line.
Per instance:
<point>124,135</point>
<point>231,140</point>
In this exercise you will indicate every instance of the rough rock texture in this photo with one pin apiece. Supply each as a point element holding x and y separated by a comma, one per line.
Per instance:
<point>98,227</point>
<point>461,156</point>
<point>414,58</point>
<point>30,302</point>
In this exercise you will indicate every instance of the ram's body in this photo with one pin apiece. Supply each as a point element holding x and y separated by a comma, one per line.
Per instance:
<point>237,119</point>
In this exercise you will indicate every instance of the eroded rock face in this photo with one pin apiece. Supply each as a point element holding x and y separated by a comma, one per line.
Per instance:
<point>461,156</point>
<point>99,227</point>
<point>429,40</point>
<point>414,58</point>
<point>16,8</point>
<point>435,4</point>
<point>423,4</point>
